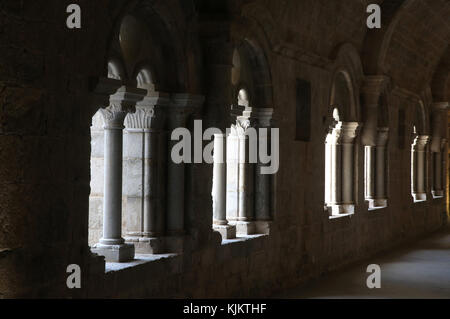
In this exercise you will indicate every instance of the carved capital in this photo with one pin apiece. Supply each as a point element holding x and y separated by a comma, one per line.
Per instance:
<point>121,103</point>
<point>126,98</point>
<point>149,112</point>
<point>382,136</point>
<point>113,117</point>
<point>343,133</point>
<point>263,116</point>
<point>420,142</point>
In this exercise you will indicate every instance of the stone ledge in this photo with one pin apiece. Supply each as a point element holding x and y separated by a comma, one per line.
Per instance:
<point>241,239</point>
<point>140,259</point>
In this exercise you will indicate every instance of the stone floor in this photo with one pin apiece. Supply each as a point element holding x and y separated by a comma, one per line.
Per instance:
<point>419,270</point>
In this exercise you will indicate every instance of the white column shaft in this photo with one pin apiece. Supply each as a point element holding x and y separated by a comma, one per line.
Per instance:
<point>219,180</point>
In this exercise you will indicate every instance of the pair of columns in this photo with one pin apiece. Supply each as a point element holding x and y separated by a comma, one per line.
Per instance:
<point>145,158</point>
<point>155,185</point>
<point>376,170</point>
<point>438,144</point>
<point>340,166</point>
<point>160,204</point>
<point>112,246</point>
<point>241,194</point>
<point>439,170</point>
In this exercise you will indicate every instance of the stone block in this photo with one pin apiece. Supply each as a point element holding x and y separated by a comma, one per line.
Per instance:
<point>115,253</point>
<point>226,231</point>
<point>245,228</point>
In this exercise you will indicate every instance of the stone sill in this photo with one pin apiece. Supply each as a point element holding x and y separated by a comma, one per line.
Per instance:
<point>242,238</point>
<point>438,194</point>
<point>139,259</point>
<point>377,204</point>
<point>340,216</point>
<point>373,209</point>
<point>339,211</point>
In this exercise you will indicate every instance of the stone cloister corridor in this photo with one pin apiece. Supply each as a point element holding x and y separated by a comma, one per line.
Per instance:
<point>417,270</point>
<point>213,149</point>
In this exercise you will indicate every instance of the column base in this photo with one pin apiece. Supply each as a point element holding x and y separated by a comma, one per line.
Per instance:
<point>341,210</point>
<point>438,193</point>
<point>115,253</point>
<point>147,245</point>
<point>226,231</point>
<point>245,228</point>
<point>377,203</point>
<point>419,197</point>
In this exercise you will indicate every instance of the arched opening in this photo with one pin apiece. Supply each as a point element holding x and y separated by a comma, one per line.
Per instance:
<point>241,193</point>
<point>376,155</point>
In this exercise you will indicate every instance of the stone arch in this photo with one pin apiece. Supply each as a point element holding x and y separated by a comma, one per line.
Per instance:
<point>116,70</point>
<point>252,73</point>
<point>440,85</point>
<point>345,82</point>
<point>391,50</point>
<point>156,33</point>
<point>144,76</point>
<point>420,118</point>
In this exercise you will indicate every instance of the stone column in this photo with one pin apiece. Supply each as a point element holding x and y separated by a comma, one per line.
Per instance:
<point>437,145</point>
<point>263,182</point>
<point>439,170</point>
<point>144,163</point>
<point>182,106</point>
<point>219,190</point>
<point>247,146</point>
<point>232,184</point>
<point>381,169</point>
<point>418,167</point>
<point>112,246</point>
<point>342,168</point>
<point>376,171</point>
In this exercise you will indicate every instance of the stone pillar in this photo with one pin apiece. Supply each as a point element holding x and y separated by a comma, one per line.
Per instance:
<point>341,191</point>
<point>144,164</point>
<point>182,106</point>
<point>374,138</point>
<point>376,171</point>
<point>418,167</point>
<point>439,170</point>
<point>232,190</point>
<point>437,145</point>
<point>262,181</point>
<point>219,190</point>
<point>112,246</point>
<point>381,169</point>
<point>247,146</point>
